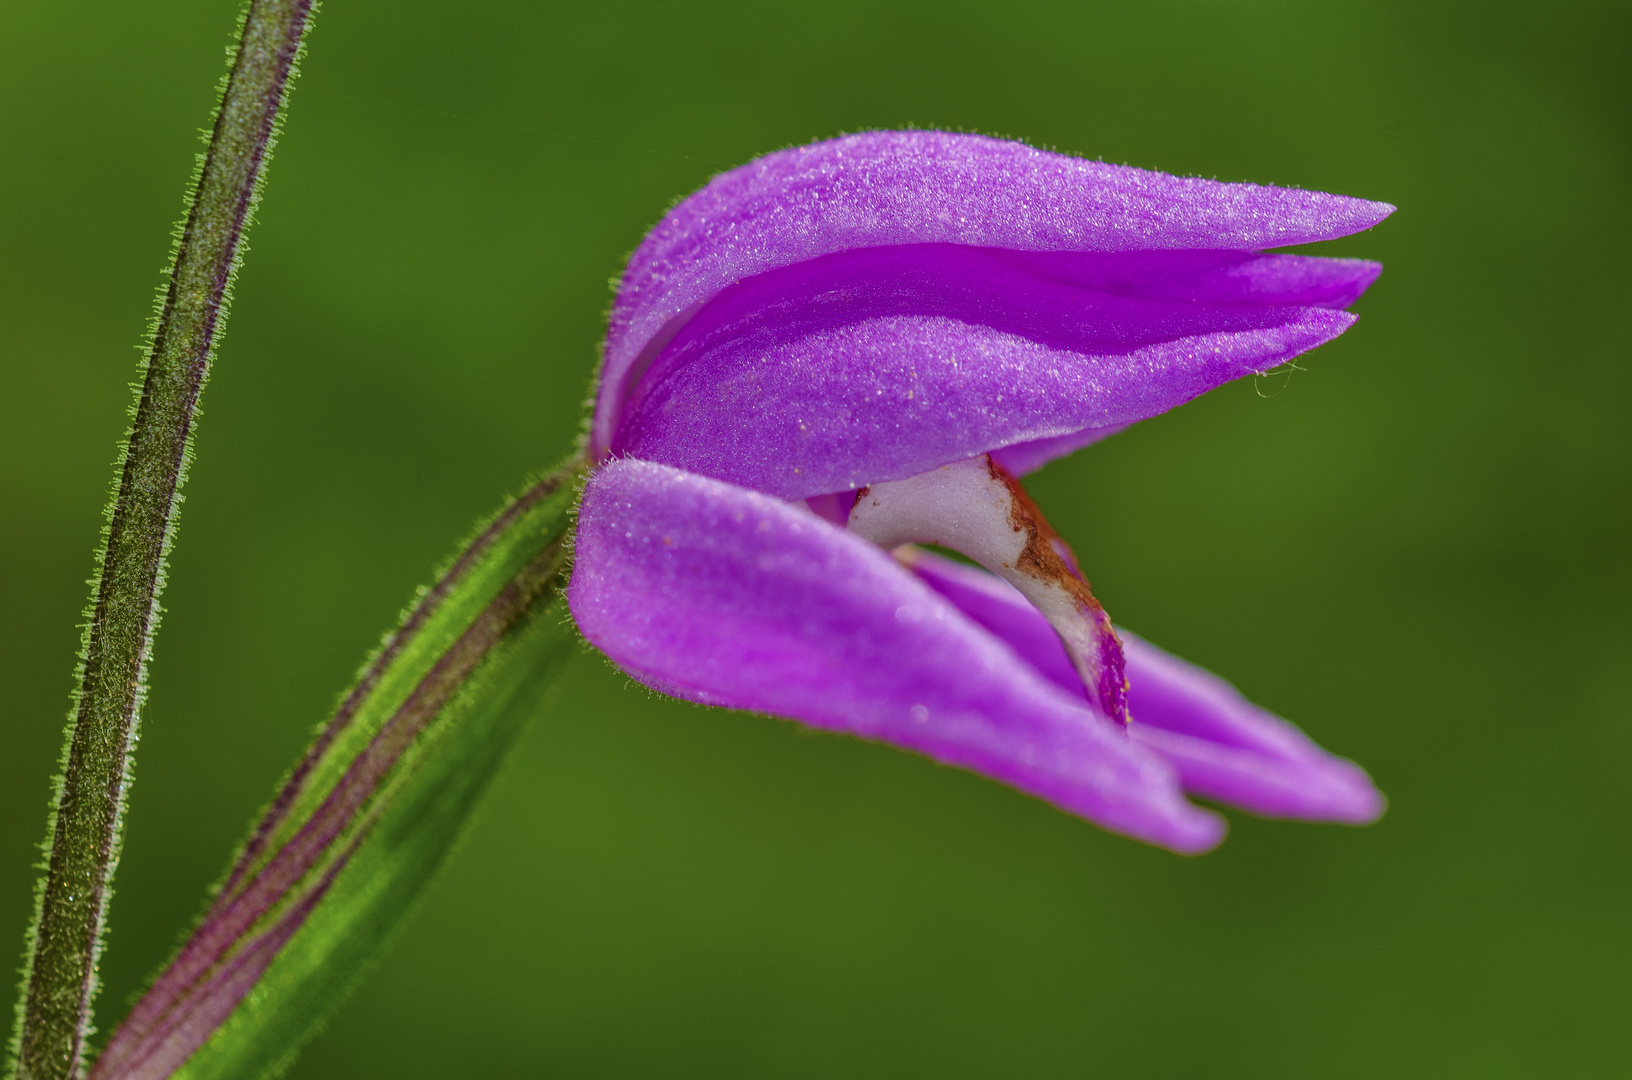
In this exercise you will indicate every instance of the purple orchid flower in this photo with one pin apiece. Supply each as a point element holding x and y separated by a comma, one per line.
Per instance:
<point>838,353</point>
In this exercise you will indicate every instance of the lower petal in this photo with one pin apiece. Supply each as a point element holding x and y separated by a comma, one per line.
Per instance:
<point>1321,788</point>
<point>1223,746</point>
<point>730,597</point>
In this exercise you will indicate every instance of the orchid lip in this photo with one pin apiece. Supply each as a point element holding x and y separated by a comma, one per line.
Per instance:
<point>976,508</point>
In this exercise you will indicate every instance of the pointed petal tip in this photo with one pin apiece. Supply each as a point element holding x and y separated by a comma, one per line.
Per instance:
<point>1342,806</point>
<point>1336,790</point>
<point>1354,799</point>
<point>1375,213</point>
<point>1307,785</point>
<point>1349,215</point>
<point>1367,271</point>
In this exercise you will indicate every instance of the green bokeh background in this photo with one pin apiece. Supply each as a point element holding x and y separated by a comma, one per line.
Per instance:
<point>1417,547</point>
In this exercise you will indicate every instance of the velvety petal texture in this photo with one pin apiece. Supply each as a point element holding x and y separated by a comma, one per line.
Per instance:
<point>1223,746</point>
<point>890,188</point>
<point>856,315</point>
<point>883,363</point>
<point>726,596</point>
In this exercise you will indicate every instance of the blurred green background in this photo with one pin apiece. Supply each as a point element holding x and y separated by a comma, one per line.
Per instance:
<point>1417,547</point>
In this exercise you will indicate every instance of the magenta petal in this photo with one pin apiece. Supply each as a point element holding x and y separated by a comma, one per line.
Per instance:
<point>1027,457</point>
<point>729,597</point>
<point>925,187</point>
<point>884,363</point>
<point>1328,789</point>
<point>1215,277</point>
<point>1229,749</point>
<point>1223,746</point>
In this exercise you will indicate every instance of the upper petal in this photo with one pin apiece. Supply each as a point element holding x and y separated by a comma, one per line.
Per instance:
<point>730,597</point>
<point>883,363</point>
<point>915,187</point>
<point>1209,276</point>
<point>1026,457</point>
<point>1222,745</point>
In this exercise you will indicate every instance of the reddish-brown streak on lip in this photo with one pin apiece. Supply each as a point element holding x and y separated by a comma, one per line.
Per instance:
<point>1040,558</point>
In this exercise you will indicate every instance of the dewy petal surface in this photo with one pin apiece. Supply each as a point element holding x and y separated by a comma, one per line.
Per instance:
<point>1223,746</point>
<point>730,597</point>
<point>927,187</point>
<point>884,363</point>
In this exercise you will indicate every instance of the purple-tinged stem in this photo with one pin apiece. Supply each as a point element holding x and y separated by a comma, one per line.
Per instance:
<point>343,716</point>
<point>86,821</point>
<point>274,886</point>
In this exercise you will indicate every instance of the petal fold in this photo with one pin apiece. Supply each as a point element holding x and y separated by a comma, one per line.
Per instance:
<point>885,363</point>
<point>730,597</point>
<point>1223,746</point>
<point>1215,277</point>
<point>1027,457</point>
<point>928,187</point>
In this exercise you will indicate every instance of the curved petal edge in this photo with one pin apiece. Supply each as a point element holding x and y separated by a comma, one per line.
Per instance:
<point>731,597</point>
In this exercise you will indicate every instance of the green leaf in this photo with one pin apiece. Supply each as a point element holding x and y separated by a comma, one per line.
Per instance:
<point>364,821</point>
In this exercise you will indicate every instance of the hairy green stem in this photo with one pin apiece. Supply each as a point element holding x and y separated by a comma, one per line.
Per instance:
<point>83,832</point>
